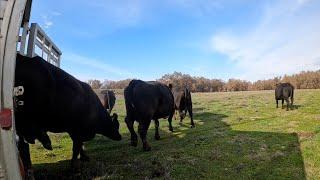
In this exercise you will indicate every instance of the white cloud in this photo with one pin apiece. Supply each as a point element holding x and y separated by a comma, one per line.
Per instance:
<point>56,13</point>
<point>96,66</point>
<point>132,12</point>
<point>287,40</point>
<point>47,19</point>
<point>46,22</point>
<point>302,1</point>
<point>198,7</point>
<point>122,13</point>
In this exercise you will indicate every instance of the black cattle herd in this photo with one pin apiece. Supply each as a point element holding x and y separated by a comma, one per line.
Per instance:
<point>54,101</point>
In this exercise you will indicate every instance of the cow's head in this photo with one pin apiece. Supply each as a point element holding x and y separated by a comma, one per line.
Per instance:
<point>112,129</point>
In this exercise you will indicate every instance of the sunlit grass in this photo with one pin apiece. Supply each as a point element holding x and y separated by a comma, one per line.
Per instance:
<point>238,135</point>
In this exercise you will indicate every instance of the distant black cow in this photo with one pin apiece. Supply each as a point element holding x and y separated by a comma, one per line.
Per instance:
<point>146,101</point>
<point>284,91</point>
<point>57,102</point>
<point>109,99</point>
<point>183,103</point>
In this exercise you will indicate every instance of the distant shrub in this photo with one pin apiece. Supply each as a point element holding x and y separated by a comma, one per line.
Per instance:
<point>302,80</point>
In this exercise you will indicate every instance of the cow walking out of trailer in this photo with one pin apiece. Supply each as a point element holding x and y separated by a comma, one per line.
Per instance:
<point>183,103</point>
<point>57,102</point>
<point>283,92</point>
<point>146,101</point>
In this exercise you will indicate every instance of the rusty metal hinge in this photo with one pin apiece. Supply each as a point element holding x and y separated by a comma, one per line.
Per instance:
<point>6,119</point>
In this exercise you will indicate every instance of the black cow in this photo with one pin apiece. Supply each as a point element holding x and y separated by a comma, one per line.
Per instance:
<point>183,103</point>
<point>57,102</point>
<point>284,91</point>
<point>146,101</point>
<point>109,99</point>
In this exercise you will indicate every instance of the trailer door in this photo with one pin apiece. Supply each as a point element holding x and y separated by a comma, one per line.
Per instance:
<point>11,14</point>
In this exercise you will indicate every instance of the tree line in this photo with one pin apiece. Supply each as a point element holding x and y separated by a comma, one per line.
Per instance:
<point>302,80</point>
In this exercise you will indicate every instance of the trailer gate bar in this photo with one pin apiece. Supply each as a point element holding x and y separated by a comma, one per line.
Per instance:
<point>11,16</point>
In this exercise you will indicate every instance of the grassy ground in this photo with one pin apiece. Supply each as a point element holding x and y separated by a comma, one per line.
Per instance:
<point>238,135</point>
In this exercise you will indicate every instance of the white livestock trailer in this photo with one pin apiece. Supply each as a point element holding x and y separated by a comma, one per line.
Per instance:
<point>14,16</point>
<point>11,16</point>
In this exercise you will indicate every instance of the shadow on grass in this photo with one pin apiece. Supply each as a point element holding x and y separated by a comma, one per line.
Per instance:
<point>198,109</point>
<point>296,106</point>
<point>293,107</point>
<point>210,150</point>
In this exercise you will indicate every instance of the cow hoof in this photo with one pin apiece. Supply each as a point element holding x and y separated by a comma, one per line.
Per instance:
<point>134,143</point>
<point>171,129</point>
<point>48,146</point>
<point>75,165</point>
<point>157,137</point>
<point>29,175</point>
<point>146,148</point>
<point>193,126</point>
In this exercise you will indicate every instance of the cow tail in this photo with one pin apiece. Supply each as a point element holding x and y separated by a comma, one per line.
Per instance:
<point>108,100</point>
<point>292,92</point>
<point>172,97</point>
<point>185,100</point>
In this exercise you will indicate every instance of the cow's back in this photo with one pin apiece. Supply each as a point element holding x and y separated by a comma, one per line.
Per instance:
<point>178,98</point>
<point>182,98</point>
<point>284,90</point>
<point>148,99</point>
<point>53,99</point>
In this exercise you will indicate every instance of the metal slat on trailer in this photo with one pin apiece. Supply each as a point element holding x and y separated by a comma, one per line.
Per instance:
<point>11,14</point>
<point>39,39</point>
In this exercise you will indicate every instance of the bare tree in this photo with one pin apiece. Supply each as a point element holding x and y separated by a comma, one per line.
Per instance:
<point>95,84</point>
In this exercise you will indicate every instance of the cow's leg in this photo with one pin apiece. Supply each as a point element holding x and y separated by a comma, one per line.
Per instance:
<point>156,125</point>
<point>292,101</point>
<point>191,116</point>
<point>83,155</point>
<point>143,129</point>
<point>45,140</point>
<point>277,103</point>
<point>170,121</point>
<point>288,103</point>
<point>181,116</point>
<point>77,146</point>
<point>24,152</point>
<point>282,103</point>
<point>134,137</point>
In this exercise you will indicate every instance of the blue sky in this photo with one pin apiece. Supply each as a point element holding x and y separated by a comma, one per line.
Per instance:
<point>144,39</point>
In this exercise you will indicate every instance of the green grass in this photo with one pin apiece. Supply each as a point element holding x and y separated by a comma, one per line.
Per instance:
<point>238,135</point>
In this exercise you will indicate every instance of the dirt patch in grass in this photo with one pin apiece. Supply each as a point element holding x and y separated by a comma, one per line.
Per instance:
<point>306,135</point>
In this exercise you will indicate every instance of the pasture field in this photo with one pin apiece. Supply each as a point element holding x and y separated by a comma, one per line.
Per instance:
<point>238,135</point>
